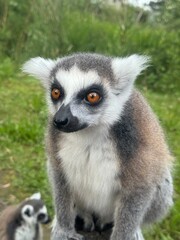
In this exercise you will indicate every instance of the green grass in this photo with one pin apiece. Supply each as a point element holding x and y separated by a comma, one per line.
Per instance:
<point>22,123</point>
<point>22,158</point>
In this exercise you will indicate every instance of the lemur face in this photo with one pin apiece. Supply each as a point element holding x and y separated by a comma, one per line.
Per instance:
<point>86,90</point>
<point>78,99</point>
<point>34,211</point>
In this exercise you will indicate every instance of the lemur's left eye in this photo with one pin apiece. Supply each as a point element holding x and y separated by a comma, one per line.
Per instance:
<point>55,93</point>
<point>93,97</point>
<point>41,217</point>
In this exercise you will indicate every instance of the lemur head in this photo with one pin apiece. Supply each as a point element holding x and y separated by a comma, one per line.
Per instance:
<point>86,90</point>
<point>33,210</point>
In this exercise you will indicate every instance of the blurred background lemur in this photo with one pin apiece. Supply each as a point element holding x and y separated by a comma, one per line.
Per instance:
<point>23,221</point>
<point>107,155</point>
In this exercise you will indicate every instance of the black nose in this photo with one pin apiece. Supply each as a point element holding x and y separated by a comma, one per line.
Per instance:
<point>62,117</point>
<point>65,121</point>
<point>60,122</point>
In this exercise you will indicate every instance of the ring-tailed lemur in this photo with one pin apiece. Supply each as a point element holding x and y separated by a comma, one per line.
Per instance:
<point>22,222</point>
<point>107,154</point>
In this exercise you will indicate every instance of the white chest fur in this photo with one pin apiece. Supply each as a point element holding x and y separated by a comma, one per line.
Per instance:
<point>25,232</point>
<point>91,167</point>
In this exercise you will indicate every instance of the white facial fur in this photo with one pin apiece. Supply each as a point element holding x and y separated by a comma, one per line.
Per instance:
<point>28,219</point>
<point>125,71</point>
<point>72,82</point>
<point>44,211</point>
<point>75,80</point>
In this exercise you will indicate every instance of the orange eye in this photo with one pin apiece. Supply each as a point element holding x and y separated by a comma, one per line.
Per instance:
<point>55,93</point>
<point>93,97</point>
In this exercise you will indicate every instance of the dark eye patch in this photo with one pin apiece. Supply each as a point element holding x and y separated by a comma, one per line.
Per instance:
<point>97,88</point>
<point>41,217</point>
<point>57,85</point>
<point>28,212</point>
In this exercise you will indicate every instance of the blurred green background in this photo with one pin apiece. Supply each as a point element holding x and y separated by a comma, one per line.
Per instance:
<point>53,28</point>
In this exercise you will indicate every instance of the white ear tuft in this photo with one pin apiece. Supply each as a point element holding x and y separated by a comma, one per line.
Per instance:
<point>36,196</point>
<point>127,69</point>
<point>40,68</point>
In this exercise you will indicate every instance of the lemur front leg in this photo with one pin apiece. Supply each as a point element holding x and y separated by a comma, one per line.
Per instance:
<point>63,228</point>
<point>129,214</point>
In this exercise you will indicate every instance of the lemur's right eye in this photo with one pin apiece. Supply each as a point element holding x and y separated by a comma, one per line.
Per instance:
<point>55,94</point>
<point>93,98</point>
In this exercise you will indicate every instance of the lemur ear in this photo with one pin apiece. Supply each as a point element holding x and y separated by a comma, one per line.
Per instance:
<point>40,68</point>
<point>36,196</point>
<point>127,69</point>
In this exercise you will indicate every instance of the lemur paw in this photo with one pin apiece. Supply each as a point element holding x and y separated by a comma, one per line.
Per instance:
<point>76,236</point>
<point>101,226</point>
<point>88,223</point>
<point>85,222</point>
<point>89,226</point>
<point>62,235</point>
